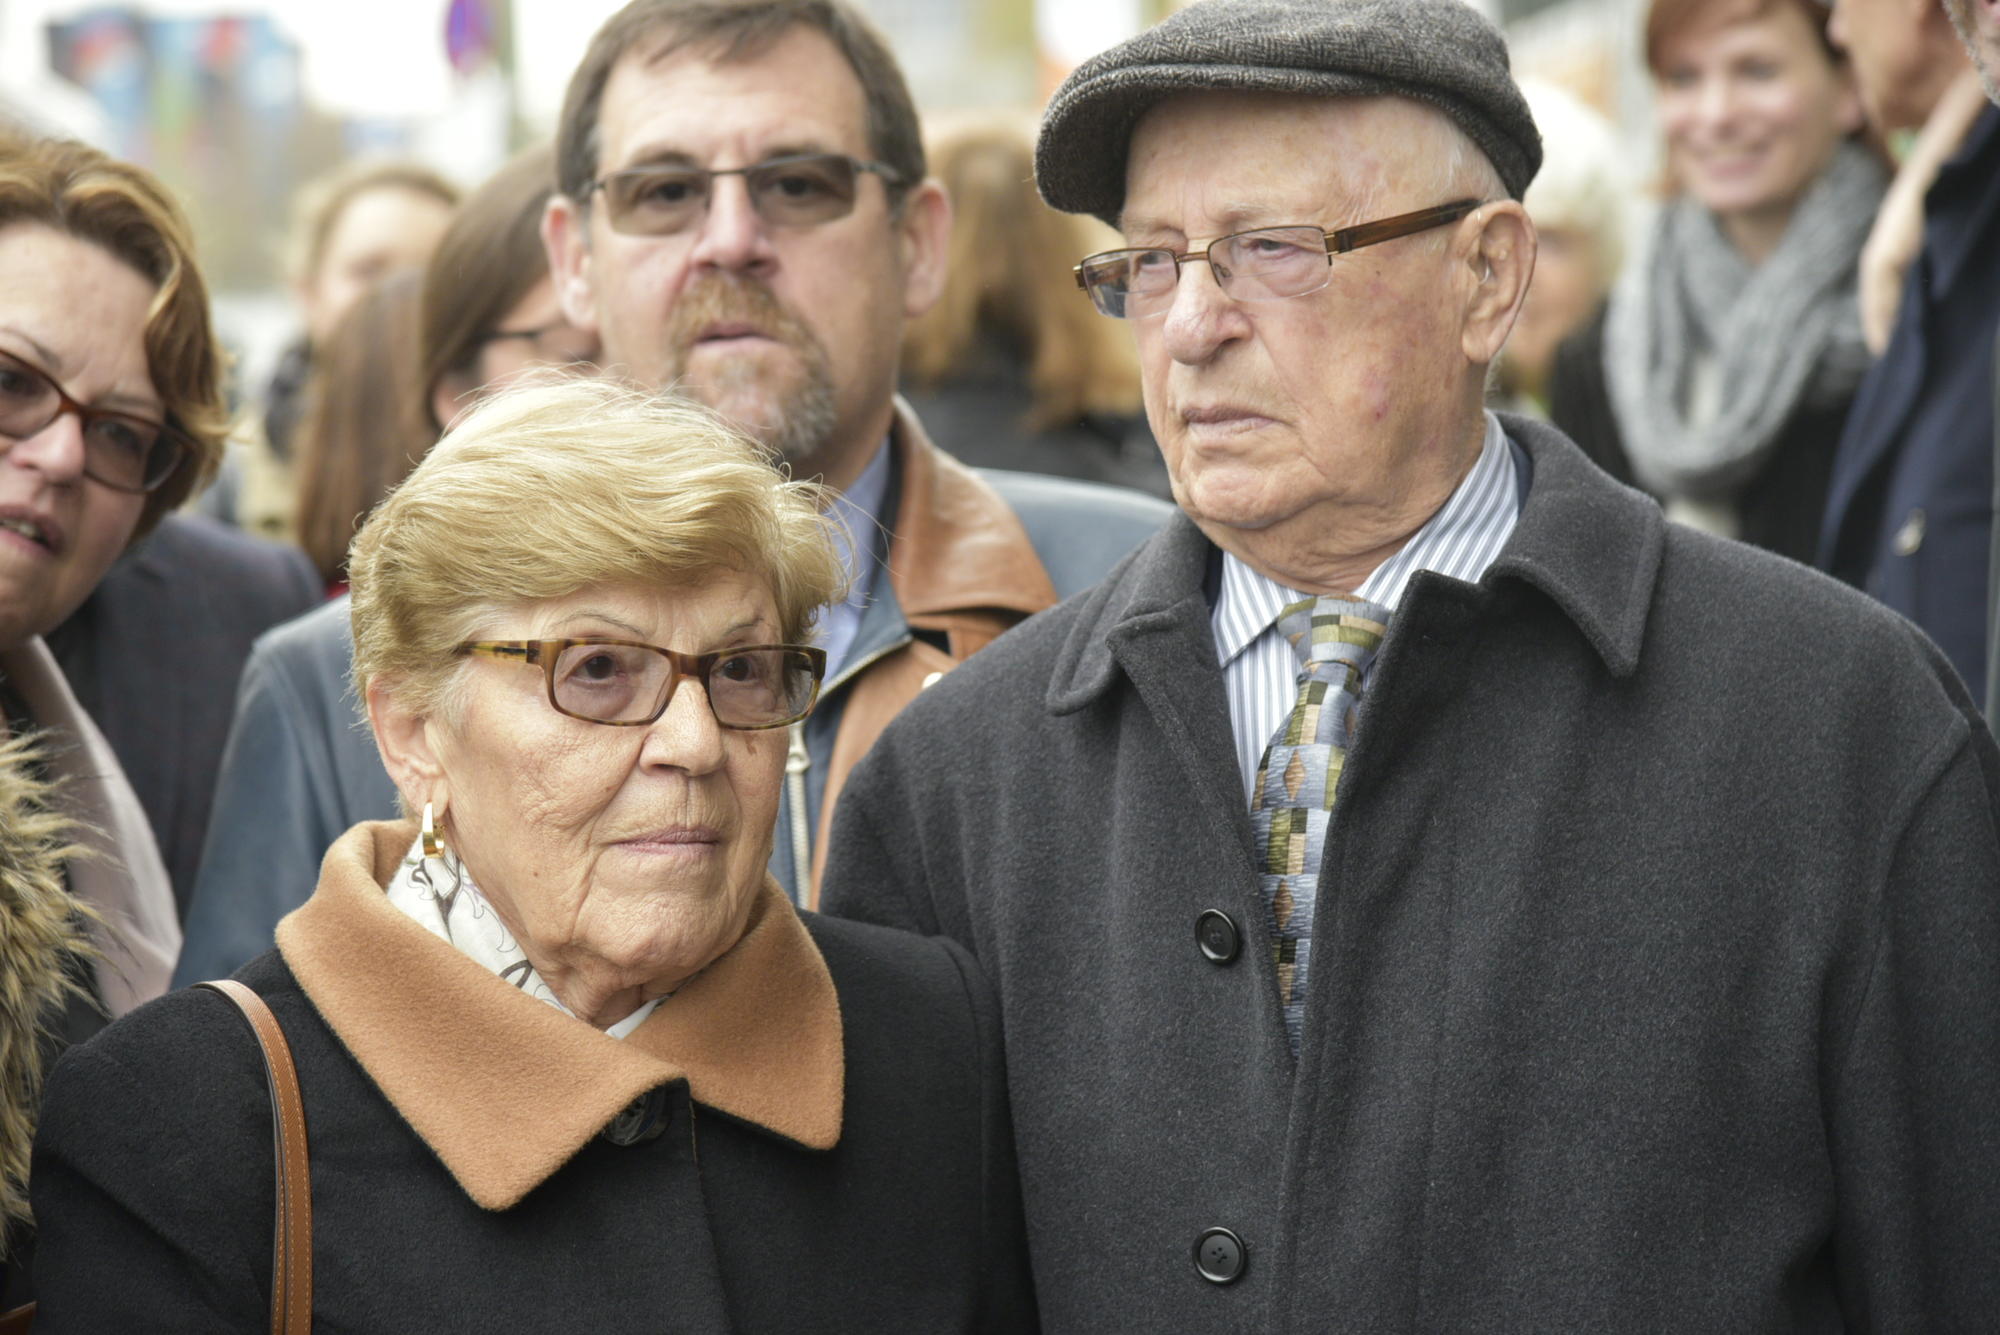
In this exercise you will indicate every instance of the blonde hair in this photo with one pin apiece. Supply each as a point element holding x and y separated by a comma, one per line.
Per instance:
<point>1583,185</point>
<point>78,191</point>
<point>561,485</point>
<point>1009,275</point>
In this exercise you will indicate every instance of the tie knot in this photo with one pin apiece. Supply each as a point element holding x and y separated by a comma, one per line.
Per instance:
<point>1333,630</point>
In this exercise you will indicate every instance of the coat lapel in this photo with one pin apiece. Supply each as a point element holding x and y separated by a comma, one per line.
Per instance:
<point>505,1088</point>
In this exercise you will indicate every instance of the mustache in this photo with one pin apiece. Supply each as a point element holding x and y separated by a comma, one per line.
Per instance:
<point>722,297</point>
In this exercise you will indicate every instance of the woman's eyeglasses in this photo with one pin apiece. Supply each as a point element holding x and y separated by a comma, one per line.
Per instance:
<point>626,684</point>
<point>122,451</point>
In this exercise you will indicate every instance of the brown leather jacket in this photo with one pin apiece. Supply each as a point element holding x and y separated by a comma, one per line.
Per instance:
<point>960,565</point>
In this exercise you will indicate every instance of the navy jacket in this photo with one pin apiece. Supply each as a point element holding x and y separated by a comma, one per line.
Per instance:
<point>1909,515</point>
<point>154,655</point>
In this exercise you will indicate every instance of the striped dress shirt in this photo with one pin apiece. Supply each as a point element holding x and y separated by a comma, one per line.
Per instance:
<point>1260,671</point>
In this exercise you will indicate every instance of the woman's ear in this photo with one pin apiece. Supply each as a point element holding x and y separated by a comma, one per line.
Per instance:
<point>408,748</point>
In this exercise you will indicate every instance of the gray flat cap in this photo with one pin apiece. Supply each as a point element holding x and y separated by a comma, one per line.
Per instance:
<point>1438,51</point>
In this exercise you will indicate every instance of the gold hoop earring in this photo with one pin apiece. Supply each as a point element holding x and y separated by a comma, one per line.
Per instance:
<point>433,842</point>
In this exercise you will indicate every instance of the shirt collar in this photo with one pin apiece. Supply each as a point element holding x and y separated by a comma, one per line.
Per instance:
<point>1460,540</point>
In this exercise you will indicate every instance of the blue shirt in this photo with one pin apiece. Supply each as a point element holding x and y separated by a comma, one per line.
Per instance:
<point>859,512</point>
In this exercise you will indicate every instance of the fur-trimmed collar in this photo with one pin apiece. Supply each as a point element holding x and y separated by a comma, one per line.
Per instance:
<point>505,1088</point>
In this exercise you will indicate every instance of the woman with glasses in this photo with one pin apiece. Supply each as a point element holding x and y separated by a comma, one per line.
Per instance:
<point>419,346</point>
<point>570,1059</point>
<point>111,413</point>
<point>1722,371</point>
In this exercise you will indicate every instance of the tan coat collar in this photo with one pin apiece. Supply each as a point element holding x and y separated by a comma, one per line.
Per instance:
<point>957,544</point>
<point>505,1088</point>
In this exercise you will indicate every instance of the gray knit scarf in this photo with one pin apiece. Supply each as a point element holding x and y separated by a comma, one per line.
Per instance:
<point>1784,334</point>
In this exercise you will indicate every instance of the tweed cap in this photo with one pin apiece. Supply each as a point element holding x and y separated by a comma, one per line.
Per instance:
<point>1437,51</point>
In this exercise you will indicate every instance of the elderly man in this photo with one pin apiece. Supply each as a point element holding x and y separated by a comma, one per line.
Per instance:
<point>744,216</point>
<point>1427,890</point>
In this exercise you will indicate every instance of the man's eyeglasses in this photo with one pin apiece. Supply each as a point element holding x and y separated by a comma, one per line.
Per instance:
<point>120,450</point>
<point>1263,264</point>
<point>627,684</point>
<point>799,191</point>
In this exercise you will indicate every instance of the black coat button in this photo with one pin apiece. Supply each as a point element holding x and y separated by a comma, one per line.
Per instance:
<point>1215,932</point>
<point>644,1119</point>
<point>1220,1256</point>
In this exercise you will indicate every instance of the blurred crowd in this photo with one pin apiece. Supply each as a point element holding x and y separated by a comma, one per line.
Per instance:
<point>1785,337</point>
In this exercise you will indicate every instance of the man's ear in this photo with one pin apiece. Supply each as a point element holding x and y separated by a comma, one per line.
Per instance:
<point>1499,259</point>
<point>566,239</point>
<point>925,234</point>
<point>408,746</point>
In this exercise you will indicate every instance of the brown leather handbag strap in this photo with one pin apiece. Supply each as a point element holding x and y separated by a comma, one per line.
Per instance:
<point>291,1248</point>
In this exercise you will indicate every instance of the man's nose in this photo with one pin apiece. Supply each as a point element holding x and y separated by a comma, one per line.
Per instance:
<point>732,235</point>
<point>1201,317</point>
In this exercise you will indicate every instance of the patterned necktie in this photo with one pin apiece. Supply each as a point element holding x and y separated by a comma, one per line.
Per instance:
<point>1334,638</point>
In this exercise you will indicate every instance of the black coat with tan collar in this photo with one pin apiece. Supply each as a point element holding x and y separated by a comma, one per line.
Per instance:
<point>836,1154</point>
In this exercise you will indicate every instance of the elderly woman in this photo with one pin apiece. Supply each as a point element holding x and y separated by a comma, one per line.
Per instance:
<point>110,414</point>
<point>570,1059</point>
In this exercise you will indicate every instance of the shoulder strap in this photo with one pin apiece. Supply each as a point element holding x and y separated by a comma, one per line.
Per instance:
<point>291,1261</point>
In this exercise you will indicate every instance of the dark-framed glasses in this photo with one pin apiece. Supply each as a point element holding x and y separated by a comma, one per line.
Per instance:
<point>558,343</point>
<point>802,190</point>
<point>1263,264</point>
<point>627,684</point>
<point>122,451</point>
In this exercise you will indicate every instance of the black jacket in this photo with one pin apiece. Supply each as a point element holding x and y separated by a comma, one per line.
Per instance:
<point>1909,516</point>
<point>1656,969</point>
<point>153,1180</point>
<point>154,655</point>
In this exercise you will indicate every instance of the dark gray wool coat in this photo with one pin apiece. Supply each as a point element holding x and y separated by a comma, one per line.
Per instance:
<point>1656,969</point>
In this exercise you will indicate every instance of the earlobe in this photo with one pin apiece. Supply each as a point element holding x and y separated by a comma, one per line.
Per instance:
<point>566,241</point>
<point>925,236</point>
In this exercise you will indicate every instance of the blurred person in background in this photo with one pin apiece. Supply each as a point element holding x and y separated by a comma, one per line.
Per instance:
<point>111,414</point>
<point>1006,366</point>
<point>743,215</point>
<point>351,228</point>
<point>1578,202</point>
<point>1732,345</point>
<point>571,1060</point>
<point>300,767</point>
<point>366,420</point>
<point>1978,24</point>
<point>1909,513</point>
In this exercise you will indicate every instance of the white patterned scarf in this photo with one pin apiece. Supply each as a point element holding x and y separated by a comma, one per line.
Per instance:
<point>1777,336</point>
<point>440,894</point>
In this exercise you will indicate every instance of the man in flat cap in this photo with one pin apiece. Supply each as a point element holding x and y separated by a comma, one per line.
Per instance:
<point>1427,890</point>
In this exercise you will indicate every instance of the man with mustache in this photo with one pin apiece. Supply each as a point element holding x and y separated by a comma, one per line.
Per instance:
<point>1428,891</point>
<point>743,217</point>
